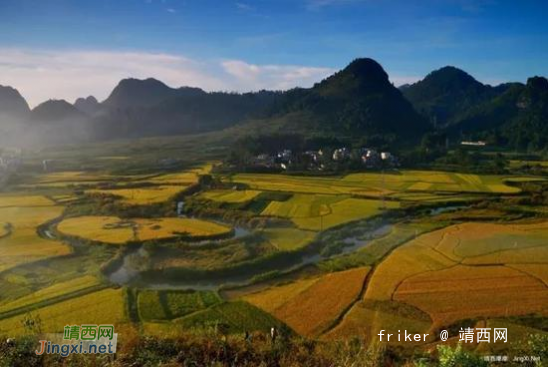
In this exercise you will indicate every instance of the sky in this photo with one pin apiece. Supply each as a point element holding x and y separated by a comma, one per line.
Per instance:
<point>64,49</point>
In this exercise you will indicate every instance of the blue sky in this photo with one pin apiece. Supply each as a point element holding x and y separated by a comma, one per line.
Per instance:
<point>69,48</point>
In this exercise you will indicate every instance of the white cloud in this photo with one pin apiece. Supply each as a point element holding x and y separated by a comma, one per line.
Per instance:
<point>398,80</point>
<point>243,6</point>
<point>68,74</point>
<point>278,77</point>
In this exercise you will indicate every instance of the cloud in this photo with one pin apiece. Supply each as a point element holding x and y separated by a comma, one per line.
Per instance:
<point>398,80</point>
<point>68,74</point>
<point>171,10</point>
<point>278,77</point>
<point>243,6</point>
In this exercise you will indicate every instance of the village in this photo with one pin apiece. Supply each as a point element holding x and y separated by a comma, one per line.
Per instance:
<point>324,159</point>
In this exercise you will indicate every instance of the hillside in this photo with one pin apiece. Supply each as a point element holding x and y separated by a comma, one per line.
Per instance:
<point>356,100</point>
<point>444,95</point>
<point>518,117</point>
<point>12,103</point>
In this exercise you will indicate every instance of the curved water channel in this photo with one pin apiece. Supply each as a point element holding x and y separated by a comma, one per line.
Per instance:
<point>134,261</point>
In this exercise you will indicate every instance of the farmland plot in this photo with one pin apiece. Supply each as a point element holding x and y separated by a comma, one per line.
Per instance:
<point>317,212</point>
<point>309,307</point>
<point>24,245</point>
<point>439,271</point>
<point>102,307</point>
<point>143,195</point>
<point>114,230</point>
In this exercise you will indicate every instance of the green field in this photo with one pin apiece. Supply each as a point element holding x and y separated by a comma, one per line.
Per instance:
<point>169,305</point>
<point>287,239</point>
<point>317,212</point>
<point>142,196</point>
<point>230,196</point>
<point>377,184</point>
<point>234,317</point>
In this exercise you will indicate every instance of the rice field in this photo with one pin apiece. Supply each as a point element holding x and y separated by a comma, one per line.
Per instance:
<point>24,245</point>
<point>288,239</point>
<point>49,293</point>
<point>468,270</point>
<point>377,184</point>
<point>167,305</point>
<point>465,292</point>
<point>311,306</point>
<point>230,196</point>
<point>142,196</point>
<point>114,230</point>
<point>101,307</point>
<point>232,317</point>
<point>319,212</point>
<point>7,201</point>
<point>364,320</point>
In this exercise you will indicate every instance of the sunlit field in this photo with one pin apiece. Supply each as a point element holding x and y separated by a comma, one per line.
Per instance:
<point>117,231</point>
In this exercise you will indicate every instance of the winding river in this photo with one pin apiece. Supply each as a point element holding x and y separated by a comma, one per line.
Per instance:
<point>134,261</point>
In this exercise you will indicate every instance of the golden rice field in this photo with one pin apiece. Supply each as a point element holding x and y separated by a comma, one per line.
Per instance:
<point>186,177</point>
<point>230,196</point>
<point>101,307</point>
<point>364,320</point>
<point>460,272</point>
<point>114,230</point>
<point>311,306</point>
<point>463,292</point>
<point>288,239</point>
<point>24,200</point>
<point>24,245</point>
<point>56,290</point>
<point>376,184</point>
<point>317,212</point>
<point>143,195</point>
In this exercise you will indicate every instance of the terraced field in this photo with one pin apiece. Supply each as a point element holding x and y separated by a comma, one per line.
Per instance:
<point>101,307</point>
<point>317,212</point>
<point>464,271</point>
<point>114,230</point>
<point>311,306</point>
<point>24,245</point>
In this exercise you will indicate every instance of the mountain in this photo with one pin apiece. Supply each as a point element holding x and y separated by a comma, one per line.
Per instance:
<point>89,106</point>
<point>12,103</point>
<point>445,94</point>
<point>518,117</point>
<point>55,111</point>
<point>358,101</point>
<point>136,93</point>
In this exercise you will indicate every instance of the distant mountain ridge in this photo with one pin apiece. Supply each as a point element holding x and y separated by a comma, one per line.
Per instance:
<point>12,103</point>
<point>357,102</point>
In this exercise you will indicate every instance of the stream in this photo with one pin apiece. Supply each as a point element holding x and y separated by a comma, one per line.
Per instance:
<point>136,260</point>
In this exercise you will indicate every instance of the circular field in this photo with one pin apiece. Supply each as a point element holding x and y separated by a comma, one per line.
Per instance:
<point>120,231</point>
